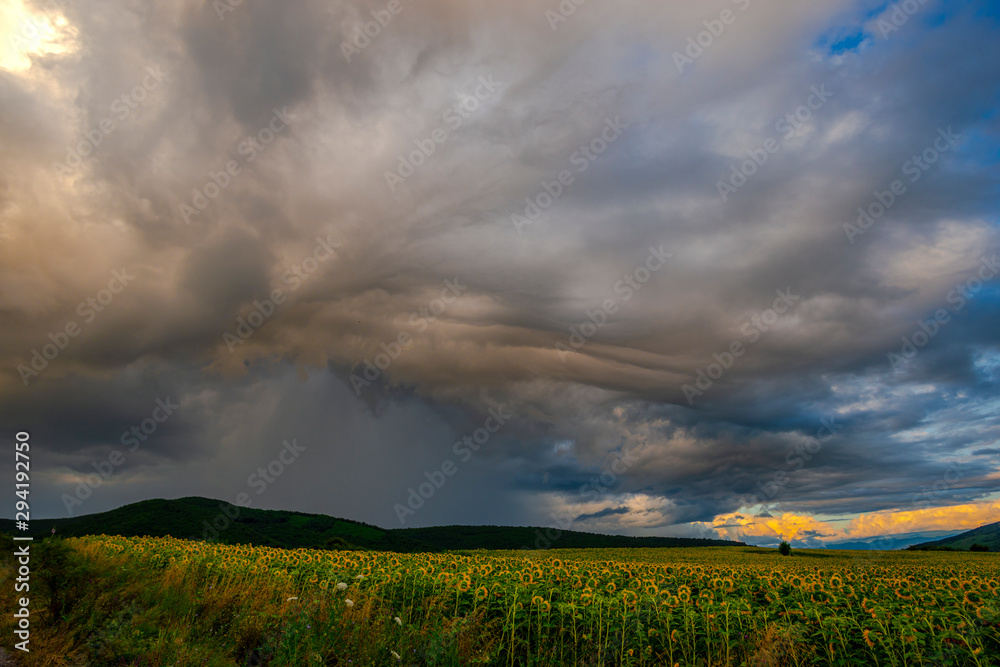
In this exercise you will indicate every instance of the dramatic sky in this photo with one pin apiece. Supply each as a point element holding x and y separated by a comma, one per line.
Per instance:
<point>719,268</point>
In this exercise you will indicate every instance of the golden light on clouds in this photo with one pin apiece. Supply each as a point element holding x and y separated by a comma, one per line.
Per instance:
<point>795,526</point>
<point>955,517</point>
<point>787,527</point>
<point>25,33</point>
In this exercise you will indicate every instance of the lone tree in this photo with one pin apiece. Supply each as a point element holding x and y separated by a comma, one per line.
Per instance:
<point>784,548</point>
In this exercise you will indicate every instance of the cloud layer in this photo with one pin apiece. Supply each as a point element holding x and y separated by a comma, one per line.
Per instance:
<point>719,258</point>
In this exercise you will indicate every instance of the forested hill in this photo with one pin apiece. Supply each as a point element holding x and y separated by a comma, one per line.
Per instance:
<point>203,518</point>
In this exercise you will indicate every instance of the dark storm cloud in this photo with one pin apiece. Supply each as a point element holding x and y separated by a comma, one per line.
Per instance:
<point>347,122</point>
<point>611,511</point>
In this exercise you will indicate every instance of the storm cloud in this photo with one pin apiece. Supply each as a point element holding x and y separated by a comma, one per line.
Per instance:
<point>716,258</point>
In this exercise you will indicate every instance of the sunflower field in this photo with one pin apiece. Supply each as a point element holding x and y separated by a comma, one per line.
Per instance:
<point>694,606</point>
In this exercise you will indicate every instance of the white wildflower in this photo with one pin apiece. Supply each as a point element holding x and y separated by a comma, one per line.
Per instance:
<point>395,655</point>
<point>350,603</point>
<point>398,620</point>
<point>341,586</point>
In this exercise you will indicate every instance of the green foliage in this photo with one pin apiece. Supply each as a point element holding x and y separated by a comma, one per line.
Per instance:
<point>987,536</point>
<point>979,547</point>
<point>217,521</point>
<point>784,548</point>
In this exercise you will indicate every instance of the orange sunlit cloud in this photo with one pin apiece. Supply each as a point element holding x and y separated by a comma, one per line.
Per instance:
<point>796,526</point>
<point>788,526</point>
<point>955,517</point>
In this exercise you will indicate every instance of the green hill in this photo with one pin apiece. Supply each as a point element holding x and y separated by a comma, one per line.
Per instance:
<point>988,535</point>
<point>203,518</point>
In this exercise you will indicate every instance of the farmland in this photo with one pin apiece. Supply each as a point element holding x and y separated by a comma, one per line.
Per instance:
<point>164,601</point>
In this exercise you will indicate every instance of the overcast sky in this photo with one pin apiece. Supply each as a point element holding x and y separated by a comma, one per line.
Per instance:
<point>689,268</point>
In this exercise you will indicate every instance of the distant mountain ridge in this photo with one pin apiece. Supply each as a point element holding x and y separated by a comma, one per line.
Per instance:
<point>891,542</point>
<point>988,535</point>
<point>204,518</point>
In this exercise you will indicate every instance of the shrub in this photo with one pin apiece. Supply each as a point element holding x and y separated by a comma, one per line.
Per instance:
<point>784,548</point>
<point>979,547</point>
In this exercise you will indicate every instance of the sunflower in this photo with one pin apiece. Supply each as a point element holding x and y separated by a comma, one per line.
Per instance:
<point>822,597</point>
<point>972,598</point>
